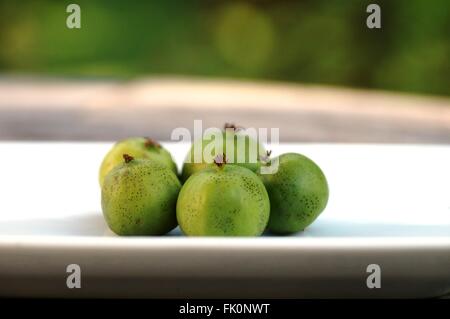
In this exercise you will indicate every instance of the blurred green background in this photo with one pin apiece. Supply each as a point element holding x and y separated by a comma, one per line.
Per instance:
<point>306,41</point>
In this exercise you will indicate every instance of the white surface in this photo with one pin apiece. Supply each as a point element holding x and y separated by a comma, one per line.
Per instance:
<point>375,190</point>
<point>388,205</point>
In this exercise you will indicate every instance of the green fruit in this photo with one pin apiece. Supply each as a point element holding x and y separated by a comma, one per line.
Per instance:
<point>243,146</point>
<point>298,193</point>
<point>139,198</point>
<point>137,147</point>
<point>226,200</point>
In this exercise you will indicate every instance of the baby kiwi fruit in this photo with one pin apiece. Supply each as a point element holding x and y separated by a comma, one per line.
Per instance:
<point>139,197</point>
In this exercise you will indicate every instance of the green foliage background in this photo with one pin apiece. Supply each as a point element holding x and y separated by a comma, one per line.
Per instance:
<point>308,41</point>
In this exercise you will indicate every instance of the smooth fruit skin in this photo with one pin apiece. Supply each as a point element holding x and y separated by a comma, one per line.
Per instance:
<point>135,147</point>
<point>298,193</point>
<point>241,145</point>
<point>223,201</point>
<point>139,198</point>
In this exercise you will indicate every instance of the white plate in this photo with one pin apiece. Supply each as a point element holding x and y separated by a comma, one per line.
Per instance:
<point>389,205</point>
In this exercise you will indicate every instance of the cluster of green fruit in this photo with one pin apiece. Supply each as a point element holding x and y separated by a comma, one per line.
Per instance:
<point>142,193</point>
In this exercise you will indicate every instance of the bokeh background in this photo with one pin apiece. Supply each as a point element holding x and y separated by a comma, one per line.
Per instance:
<point>161,64</point>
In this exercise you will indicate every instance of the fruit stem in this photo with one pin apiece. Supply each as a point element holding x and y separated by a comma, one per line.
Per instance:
<point>232,126</point>
<point>127,158</point>
<point>151,143</point>
<point>266,158</point>
<point>220,160</point>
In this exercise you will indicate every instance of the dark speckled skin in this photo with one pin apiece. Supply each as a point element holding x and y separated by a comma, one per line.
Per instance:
<point>223,201</point>
<point>139,198</point>
<point>298,193</point>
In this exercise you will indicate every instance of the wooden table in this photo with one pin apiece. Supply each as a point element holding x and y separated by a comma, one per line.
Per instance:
<point>62,109</point>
